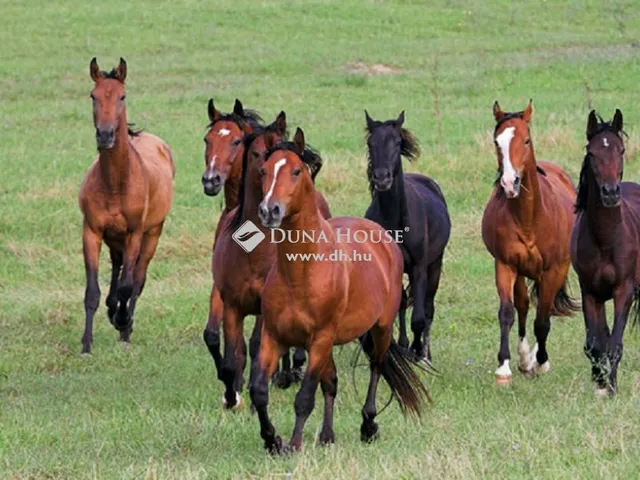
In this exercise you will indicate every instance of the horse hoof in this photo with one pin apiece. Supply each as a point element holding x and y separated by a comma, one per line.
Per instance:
<point>503,380</point>
<point>541,369</point>
<point>277,446</point>
<point>235,407</point>
<point>369,432</point>
<point>126,346</point>
<point>86,354</point>
<point>601,392</point>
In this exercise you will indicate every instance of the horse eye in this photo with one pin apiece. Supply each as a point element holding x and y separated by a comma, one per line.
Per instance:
<point>263,172</point>
<point>255,154</point>
<point>122,98</point>
<point>235,143</point>
<point>205,139</point>
<point>296,172</point>
<point>622,151</point>
<point>92,97</point>
<point>527,141</point>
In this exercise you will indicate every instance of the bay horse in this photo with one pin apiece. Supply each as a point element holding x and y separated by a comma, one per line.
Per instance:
<point>527,227</point>
<point>125,198</point>
<point>318,304</point>
<point>239,274</point>
<point>605,247</point>
<point>414,204</point>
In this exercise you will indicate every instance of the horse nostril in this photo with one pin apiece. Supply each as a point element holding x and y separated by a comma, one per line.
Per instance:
<point>617,192</point>
<point>516,182</point>
<point>275,211</point>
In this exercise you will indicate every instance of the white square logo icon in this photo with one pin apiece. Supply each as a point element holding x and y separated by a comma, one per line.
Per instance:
<point>248,236</point>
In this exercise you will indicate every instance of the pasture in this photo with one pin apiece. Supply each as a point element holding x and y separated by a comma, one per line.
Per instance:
<point>154,410</point>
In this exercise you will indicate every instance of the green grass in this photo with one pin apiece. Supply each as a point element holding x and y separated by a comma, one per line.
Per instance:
<point>154,411</point>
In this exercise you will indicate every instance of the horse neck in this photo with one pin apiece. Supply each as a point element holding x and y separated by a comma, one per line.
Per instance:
<point>115,164</point>
<point>392,203</point>
<point>252,196</point>
<point>232,183</point>
<point>527,205</point>
<point>603,222</point>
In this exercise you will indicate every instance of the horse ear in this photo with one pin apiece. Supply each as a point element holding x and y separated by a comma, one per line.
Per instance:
<point>528,112</point>
<point>281,124</point>
<point>269,140</point>
<point>121,70</point>
<point>617,120</point>
<point>400,119</point>
<point>94,69</point>
<point>298,140</point>
<point>370,121</point>
<point>498,114</point>
<point>213,113</point>
<point>238,109</point>
<point>592,125</point>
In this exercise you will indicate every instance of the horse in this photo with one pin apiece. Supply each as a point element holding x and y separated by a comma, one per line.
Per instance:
<point>125,198</point>
<point>526,227</point>
<point>605,247</point>
<point>318,304</point>
<point>414,204</point>
<point>240,269</point>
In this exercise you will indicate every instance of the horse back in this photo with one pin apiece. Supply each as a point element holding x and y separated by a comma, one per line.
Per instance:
<point>555,178</point>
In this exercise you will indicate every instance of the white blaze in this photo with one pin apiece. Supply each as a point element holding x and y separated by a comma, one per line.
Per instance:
<point>213,163</point>
<point>223,132</point>
<point>279,164</point>
<point>508,172</point>
<point>605,142</point>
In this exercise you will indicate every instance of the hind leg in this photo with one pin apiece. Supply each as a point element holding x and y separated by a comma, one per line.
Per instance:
<point>419,282</point>
<point>433,282</point>
<point>521,297</point>
<point>282,376</point>
<point>211,334</point>
<point>403,340</point>
<point>299,357</point>
<point>329,385</point>
<point>622,300</point>
<point>112,297</point>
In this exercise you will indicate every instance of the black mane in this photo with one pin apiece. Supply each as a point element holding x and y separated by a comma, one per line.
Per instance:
<point>409,148</point>
<point>508,116</point>
<point>250,116</point>
<point>310,156</point>
<point>583,186</point>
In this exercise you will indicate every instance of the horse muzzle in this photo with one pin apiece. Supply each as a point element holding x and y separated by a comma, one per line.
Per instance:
<point>610,195</point>
<point>271,214</point>
<point>212,184</point>
<point>105,138</point>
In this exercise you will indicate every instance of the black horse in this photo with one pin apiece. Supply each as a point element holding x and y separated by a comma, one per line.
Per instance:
<point>413,204</point>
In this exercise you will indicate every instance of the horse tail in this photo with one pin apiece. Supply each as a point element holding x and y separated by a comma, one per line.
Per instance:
<point>396,370</point>
<point>636,307</point>
<point>563,304</point>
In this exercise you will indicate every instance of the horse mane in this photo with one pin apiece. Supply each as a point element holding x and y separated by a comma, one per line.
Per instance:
<point>248,140</point>
<point>409,148</point>
<point>134,132</point>
<point>508,116</point>
<point>113,75</point>
<point>252,117</point>
<point>583,187</point>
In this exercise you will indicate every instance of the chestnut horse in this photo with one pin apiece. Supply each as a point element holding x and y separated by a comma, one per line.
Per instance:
<point>318,304</point>
<point>605,247</point>
<point>413,204</point>
<point>240,274</point>
<point>125,197</point>
<point>527,227</point>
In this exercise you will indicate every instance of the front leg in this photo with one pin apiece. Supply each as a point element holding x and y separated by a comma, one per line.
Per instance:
<point>505,282</point>
<point>597,334</point>
<point>112,297</point>
<point>622,300</point>
<point>233,360</point>
<point>91,244</point>
<point>132,245</point>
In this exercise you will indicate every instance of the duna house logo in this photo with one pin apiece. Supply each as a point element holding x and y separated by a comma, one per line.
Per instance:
<point>248,236</point>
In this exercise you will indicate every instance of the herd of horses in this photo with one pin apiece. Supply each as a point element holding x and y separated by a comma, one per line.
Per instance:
<point>535,226</point>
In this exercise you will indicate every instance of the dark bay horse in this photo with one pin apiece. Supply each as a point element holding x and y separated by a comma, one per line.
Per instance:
<point>239,271</point>
<point>125,198</point>
<point>527,227</point>
<point>412,204</point>
<point>605,247</point>
<point>318,304</point>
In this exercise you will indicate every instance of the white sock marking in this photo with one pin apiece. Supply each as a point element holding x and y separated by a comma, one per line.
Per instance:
<point>508,172</point>
<point>504,370</point>
<point>279,164</point>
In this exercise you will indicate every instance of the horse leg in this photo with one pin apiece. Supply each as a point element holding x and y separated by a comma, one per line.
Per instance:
<point>268,358</point>
<point>319,359</point>
<point>597,334</point>
<point>418,321</point>
<point>521,300</point>
<point>299,357</point>
<point>112,298</point>
<point>282,377</point>
<point>505,282</point>
<point>211,332</point>
<point>403,340</point>
<point>91,245</point>
<point>147,251</point>
<point>433,282</point>
<point>376,345</point>
<point>132,246</point>
<point>232,323</point>
<point>329,385</point>
<point>622,301</point>
<point>254,344</point>
<point>550,285</point>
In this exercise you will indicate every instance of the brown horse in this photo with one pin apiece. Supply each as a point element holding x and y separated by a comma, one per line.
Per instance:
<point>125,197</point>
<point>318,304</point>
<point>240,269</point>
<point>605,247</point>
<point>526,227</point>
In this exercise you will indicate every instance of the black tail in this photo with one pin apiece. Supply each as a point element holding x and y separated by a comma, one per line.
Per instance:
<point>397,371</point>
<point>636,307</point>
<point>563,304</point>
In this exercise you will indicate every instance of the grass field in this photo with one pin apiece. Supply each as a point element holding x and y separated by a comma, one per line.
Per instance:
<point>154,411</point>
